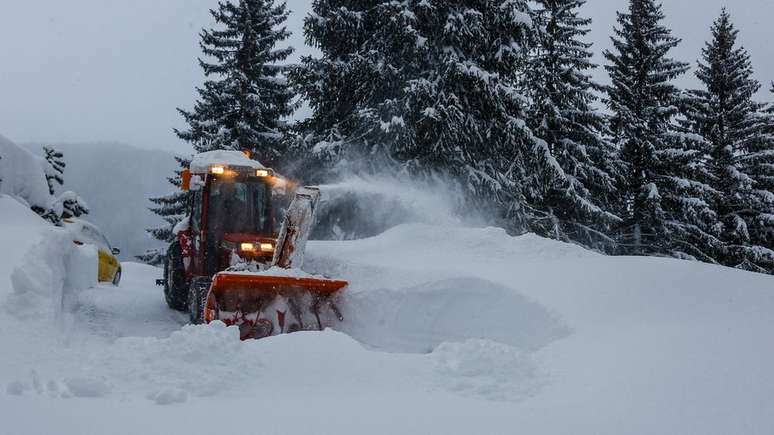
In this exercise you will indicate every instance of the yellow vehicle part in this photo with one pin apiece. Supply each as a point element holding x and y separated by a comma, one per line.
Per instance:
<point>108,266</point>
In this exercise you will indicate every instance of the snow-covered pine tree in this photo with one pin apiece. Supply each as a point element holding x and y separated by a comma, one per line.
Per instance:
<point>429,86</point>
<point>369,50</point>
<point>664,202</point>
<point>726,115</point>
<point>242,103</point>
<point>72,205</point>
<point>55,169</point>
<point>65,205</point>
<point>577,202</point>
<point>172,208</point>
<point>758,163</point>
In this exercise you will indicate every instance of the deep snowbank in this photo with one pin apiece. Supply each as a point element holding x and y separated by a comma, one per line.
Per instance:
<point>41,273</point>
<point>44,265</point>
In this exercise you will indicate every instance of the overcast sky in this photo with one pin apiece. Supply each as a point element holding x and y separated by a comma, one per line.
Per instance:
<point>114,70</point>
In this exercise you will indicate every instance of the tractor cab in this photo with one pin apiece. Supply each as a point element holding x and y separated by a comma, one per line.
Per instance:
<point>230,216</point>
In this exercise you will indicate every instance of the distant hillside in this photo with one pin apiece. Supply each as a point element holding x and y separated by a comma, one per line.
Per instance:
<point>116,181</point>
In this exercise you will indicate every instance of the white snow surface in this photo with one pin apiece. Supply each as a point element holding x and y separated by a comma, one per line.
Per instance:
<point>203,161</point>
<point>447,330</point>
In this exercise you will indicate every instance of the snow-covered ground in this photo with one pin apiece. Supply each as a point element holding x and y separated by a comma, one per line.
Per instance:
<point>448,330</point>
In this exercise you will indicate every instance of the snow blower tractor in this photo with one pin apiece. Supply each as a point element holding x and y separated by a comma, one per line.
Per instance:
<point>229,263</point>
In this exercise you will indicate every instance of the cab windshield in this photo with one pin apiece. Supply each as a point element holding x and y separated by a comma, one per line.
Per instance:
<point>239,205</point>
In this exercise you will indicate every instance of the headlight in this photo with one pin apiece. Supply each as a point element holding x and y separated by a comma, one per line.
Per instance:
<point>247,247</point>
<point>267,247</point>
<point>261,173</point>
<point>218,170</point>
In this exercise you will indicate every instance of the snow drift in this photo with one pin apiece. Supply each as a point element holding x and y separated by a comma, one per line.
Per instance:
<point>52,270</point>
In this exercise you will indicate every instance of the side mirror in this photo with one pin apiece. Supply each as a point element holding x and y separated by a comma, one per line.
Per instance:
<point>116,251</point>
<point>186,180</point>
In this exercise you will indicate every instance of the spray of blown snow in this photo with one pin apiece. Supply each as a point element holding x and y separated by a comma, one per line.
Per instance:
<point>362,206</point>
<point>423,202</point>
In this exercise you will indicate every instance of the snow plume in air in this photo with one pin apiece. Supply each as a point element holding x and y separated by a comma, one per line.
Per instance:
<point>360,206</point>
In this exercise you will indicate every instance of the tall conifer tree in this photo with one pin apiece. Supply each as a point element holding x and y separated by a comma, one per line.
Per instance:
<point>726,115</point>
<point>761,169</point>
<point>664,202</point>
<point>243,103</point>
<point>575,202</point>
<point>758,163</point>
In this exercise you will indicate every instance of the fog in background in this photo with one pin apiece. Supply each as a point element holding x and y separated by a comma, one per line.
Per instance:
<point>114,70</point>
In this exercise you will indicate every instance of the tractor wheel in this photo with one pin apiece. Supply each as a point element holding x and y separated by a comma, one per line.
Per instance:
<point>117,278</point>
<point>197,297</point>
<point>175,287</point>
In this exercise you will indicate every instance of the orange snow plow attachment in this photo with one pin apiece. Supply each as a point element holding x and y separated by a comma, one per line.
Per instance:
<point>262,304</point>
<point>225,282</point>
